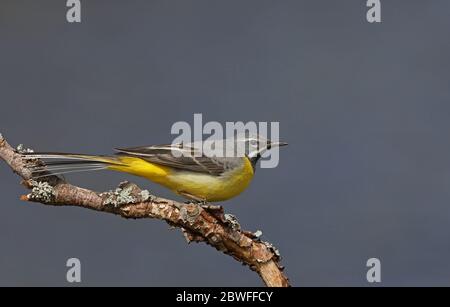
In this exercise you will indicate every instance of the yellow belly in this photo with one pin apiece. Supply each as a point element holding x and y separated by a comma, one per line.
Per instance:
<point>202,186</point>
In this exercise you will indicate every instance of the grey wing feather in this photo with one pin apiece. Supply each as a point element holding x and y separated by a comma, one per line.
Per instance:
<point>155,149</point>
<point>163,155</point>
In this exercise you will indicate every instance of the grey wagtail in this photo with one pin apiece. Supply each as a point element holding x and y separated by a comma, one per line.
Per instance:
<point>176,166</point>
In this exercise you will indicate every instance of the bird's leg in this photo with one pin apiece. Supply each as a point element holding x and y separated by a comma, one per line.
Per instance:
<point>192,199</point>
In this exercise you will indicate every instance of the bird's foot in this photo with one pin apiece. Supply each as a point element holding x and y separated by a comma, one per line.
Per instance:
<point>210,207</point>
<point>204,204</point>
<point>215,210</point>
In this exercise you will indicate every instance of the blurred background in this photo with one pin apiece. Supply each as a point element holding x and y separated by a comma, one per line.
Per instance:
<point>364,107</point>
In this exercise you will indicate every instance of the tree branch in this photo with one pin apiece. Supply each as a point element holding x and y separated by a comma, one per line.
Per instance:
<point>198,224</point>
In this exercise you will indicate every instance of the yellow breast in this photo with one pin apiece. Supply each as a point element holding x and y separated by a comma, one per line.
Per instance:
<point>203,186</point>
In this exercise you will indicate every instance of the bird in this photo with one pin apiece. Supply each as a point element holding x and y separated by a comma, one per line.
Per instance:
<point>186,169</point>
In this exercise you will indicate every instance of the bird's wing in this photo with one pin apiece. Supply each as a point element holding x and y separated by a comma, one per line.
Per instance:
<point>187,160</point>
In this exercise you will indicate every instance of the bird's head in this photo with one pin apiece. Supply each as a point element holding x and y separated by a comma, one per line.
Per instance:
<point>256,145</point>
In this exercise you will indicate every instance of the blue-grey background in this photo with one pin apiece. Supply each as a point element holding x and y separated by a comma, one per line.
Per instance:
<point>365,108</point>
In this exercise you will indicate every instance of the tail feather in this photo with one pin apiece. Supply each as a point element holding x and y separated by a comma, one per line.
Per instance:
<point>63,163</point>
<point>44,168</point>
<point>65,171</point>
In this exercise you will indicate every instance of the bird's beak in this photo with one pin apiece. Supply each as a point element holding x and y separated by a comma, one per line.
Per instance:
<point>278,144</point>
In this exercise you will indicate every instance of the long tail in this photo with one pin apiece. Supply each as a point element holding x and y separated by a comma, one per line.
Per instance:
<point>63,163</point>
